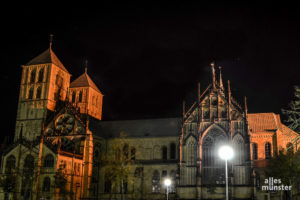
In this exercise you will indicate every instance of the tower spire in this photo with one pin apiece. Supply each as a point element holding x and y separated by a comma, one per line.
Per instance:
<point>85,66</point>
<point>213,73</point>
<point>51,40</point>
<point>221,81</point>
<point>229,100</point>
<point>199,94</point>
<point>246,107</point>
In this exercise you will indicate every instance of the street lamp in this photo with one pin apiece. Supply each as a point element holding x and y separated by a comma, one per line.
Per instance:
<point>167,183</point>
<point>226,153</point>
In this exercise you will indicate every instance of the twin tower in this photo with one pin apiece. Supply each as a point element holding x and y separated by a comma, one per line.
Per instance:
<point>45,81</point>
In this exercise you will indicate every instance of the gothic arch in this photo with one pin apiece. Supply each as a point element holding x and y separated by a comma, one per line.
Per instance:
<point>212,167</point>
<point>239,149</point>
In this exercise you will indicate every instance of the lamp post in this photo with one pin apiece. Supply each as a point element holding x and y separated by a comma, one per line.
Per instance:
<point>226,153</point>
<point>167,183</point>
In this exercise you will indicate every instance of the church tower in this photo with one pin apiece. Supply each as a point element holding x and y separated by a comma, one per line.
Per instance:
<point>44,81</point>
<point>85,95</point>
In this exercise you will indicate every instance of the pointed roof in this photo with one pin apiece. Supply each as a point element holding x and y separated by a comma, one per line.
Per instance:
<point>84,81</point>
<point>47,56</point>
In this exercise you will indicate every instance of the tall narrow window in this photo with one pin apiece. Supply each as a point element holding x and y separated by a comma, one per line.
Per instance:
<point>80,96</point>
<point>73,96</point>
<point>10,163</point>
<point>173,151</point>
<point>254,151</point>
<point>155,182</point>
<point>46,184</point>
<point>132,153</point>
<point>49,161</point>
<point>268,150</point>
<point>32,76</point>
<point>164,153</point>
<point>41,75</point>
<point>38,92</point>
<point>30,95</point>
<point>59,81</point>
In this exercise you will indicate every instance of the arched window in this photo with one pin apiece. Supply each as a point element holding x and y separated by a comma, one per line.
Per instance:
<point>133,153</point>
<point>126,151</point>
<point>155,182</point>
<point>254,151</point>
<point>80,96</point>
<point>32,76</point>
<point>38,92</point>
<point>212,166</point>
<point>30,95</point>
<point>49,161</point>
<point>73,97</point>
<point>290,147</point>
<point>268,150</point>
<point>41,75</point>
<point>46,184</point>
<point>172,151</point>
<point>10,163</point>
<point>164,153</point>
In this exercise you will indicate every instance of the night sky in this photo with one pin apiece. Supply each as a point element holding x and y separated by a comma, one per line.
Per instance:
<point>147,59</point>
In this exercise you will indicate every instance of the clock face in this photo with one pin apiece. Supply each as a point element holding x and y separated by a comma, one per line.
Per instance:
<point>64,124</point>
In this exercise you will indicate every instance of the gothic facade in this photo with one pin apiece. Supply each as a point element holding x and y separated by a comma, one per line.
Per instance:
<point>59,132</point>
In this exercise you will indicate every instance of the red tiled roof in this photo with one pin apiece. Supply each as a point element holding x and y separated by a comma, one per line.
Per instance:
<point>47,56</point>
<point>84,81</point>
<point>261,122</point>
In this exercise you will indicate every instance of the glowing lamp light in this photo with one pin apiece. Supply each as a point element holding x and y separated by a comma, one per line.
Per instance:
<point>226,152</point>
<point>167,182</point>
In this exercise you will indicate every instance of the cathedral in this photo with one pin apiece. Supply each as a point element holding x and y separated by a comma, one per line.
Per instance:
<point>59,129</point>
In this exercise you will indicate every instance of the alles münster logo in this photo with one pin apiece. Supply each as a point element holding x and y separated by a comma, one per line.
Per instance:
<point>275,185</point>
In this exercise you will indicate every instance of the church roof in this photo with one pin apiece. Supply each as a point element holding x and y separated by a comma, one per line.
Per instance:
<point>261,122</point>
<point>47,56</point>
<point>163,127</point>
<point>84,81</point>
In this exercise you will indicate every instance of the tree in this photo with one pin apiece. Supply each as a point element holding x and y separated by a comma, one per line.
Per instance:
<point>293,113</point>
<point>285,166</point>
<point>118,164</point>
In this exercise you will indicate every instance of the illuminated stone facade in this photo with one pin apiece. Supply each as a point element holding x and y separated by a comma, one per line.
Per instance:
<point>53,111</point>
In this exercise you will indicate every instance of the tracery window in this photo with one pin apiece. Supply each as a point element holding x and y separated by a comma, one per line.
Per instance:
<point>38,92</point>
<point>32,76</point>
<point>268,150</point>
<point>254,151</point>
<point>41,75</point>
<point>172,151</point>
<point>46,184</point>
<point>164,153</point>
<point>49,161</point>
<point>155,182</point>
<point>212,166</point>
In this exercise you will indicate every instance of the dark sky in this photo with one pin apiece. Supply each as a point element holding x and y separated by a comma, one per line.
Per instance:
<point>147,59</point>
